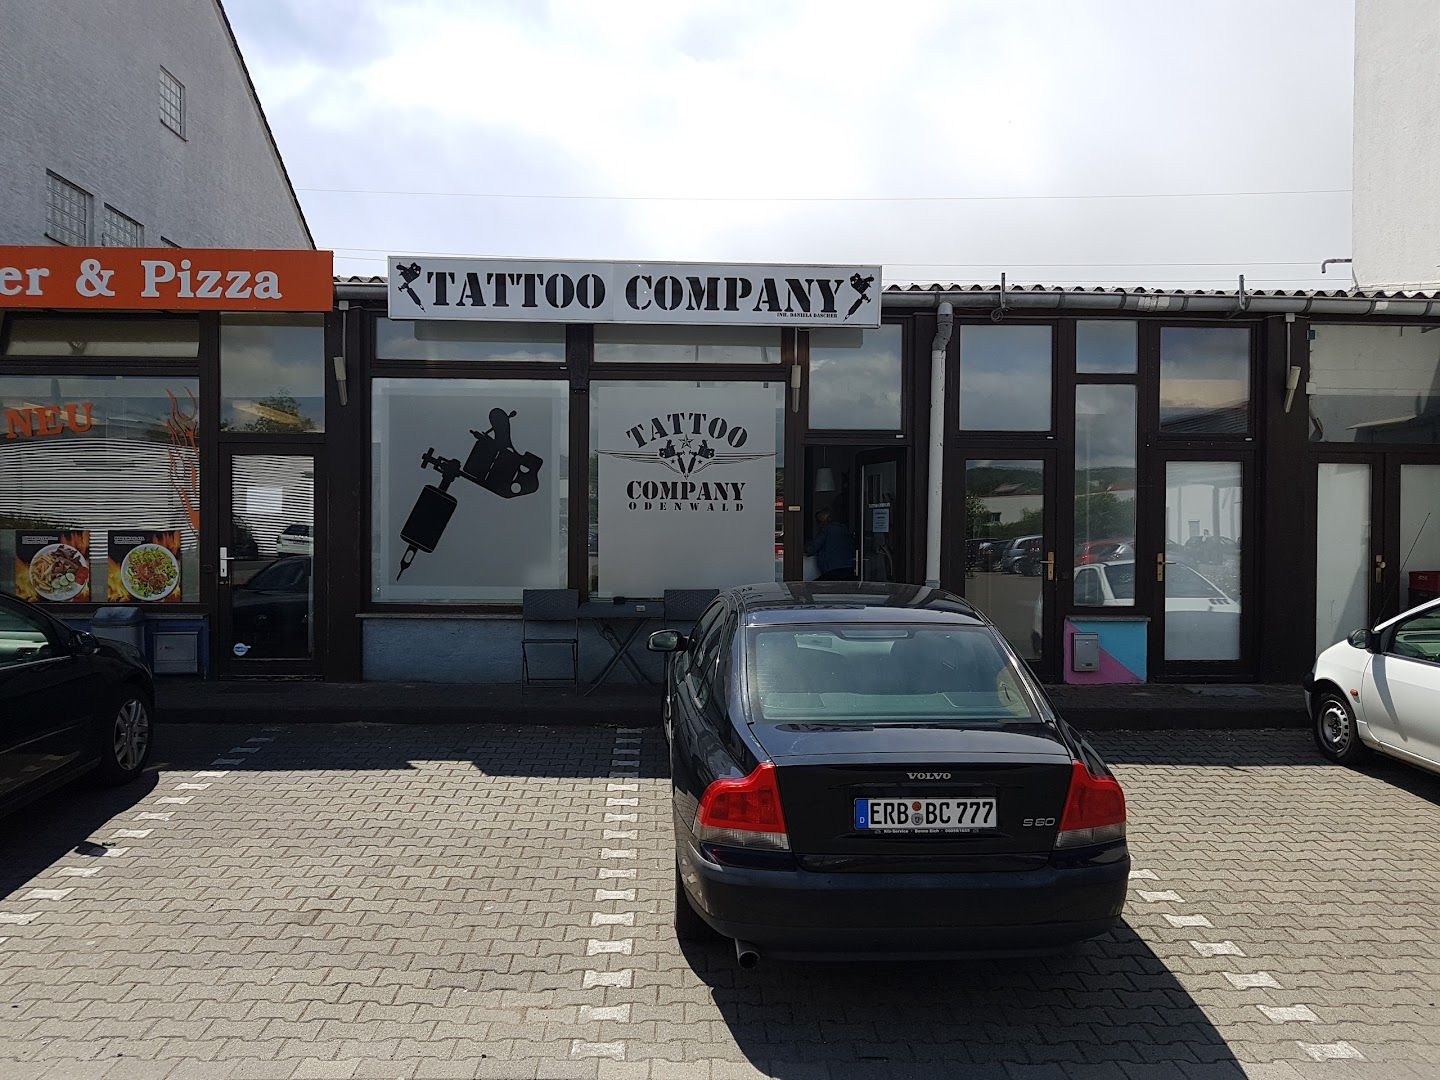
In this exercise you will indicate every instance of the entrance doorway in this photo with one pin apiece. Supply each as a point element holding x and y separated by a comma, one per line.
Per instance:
<point>1377,550</point>
<point>856,517</point>
<point>268,577</point>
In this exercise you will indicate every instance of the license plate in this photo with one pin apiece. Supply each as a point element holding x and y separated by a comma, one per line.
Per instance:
<point>924,815</point>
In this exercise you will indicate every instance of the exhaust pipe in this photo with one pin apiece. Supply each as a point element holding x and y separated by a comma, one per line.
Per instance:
<point>746,955</point>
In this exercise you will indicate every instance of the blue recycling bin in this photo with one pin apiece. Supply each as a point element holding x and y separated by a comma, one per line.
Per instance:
<point>123,624</point>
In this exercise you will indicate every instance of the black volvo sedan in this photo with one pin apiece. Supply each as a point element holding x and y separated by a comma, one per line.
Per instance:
<point>864,769</point>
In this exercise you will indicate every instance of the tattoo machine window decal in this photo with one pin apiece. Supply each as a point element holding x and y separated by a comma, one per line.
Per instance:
<point>494,464</point>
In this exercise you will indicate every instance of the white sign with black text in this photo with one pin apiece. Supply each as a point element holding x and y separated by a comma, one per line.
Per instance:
<point>686,487</point>
<point>725,294</point>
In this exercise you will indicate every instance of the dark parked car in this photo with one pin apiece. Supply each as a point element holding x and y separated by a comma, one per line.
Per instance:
<point>869,769</point>
<point>69,704</point>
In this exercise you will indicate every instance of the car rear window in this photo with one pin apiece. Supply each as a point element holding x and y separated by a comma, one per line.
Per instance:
<point>878,674</point>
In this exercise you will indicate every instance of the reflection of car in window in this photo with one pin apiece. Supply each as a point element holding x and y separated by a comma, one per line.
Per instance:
<point>295,540</point>
<point>272,609</point>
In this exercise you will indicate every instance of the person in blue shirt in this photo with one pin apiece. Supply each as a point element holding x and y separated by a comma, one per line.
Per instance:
<point>833,548</point>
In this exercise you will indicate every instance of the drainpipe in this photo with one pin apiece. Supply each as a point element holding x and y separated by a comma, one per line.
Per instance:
<point>944,325</point>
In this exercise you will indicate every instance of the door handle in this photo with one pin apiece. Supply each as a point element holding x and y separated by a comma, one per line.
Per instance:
<point>1050,566</point>
<point>224,564</point>
<point>1380,565</point>
<point>1160,567</point>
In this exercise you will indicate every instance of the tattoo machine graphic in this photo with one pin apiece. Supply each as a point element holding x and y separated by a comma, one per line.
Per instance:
<point>408,274</point>
<point>494,464</point>
<point>860,284</point>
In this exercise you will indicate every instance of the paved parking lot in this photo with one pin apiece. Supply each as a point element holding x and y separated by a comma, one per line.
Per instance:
<point>369,901</point>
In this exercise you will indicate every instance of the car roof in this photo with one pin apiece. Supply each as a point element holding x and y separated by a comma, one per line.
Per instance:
<point>1414,610</point>
<point>849,601</point>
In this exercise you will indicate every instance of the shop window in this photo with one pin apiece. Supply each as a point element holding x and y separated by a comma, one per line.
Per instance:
<point>685,485</point>
<point>499,525</point>
<point>1204,381</point>
<point>687,345</point>
<point>1105,347</point>
<point>427,339</point>
<point>158,339</point>
<point>100,501</point>
<point>1105,493</point>
<point>1005,378</point>
<point>272,373</point>
<point>1374,384</point>
<point>856,379</point>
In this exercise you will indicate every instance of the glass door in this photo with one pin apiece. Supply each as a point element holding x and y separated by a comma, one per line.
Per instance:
<point>1009,551</point>
<point>882,516</point>
<point>267,570</point>
<point>1200,569</point>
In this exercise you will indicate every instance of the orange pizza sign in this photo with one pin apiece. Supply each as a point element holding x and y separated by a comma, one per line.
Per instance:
<point>166,279</point>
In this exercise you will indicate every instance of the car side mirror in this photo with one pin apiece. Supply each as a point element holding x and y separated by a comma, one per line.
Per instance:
<point>667,641</point>
<point>85,641</point>
<point>1366,639</point>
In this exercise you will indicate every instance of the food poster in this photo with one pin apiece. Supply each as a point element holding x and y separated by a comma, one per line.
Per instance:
<point>52,567</point>
<point>144,567</point>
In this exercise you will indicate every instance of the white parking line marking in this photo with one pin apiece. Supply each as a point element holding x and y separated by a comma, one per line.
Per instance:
<point>617,873</point>
<point>243,750</point>
<point>624,979</point>
<point>171,799</point>
<point>1188,920</point>
<point>597,948</point>
<point>614,894</point>
<point>191,787</point>
<point>625,751</point>
<point>16,919</point>
<point>132,834</point>
<point>604,918</point>
<point>1290,1014</point>
<point>47,894</point>
<point>622,802</point>
<point>1336,1051</point>
<point>114,852</point>
<point>3,940</point>
<point>261,738</point>
<point>622,787</point>
<point>226,761</point>
<point>1143,875</point>
<point>78,871</point>
<point>620,834</point>
<point>605,1012</point>
<point>622,817</point>
<point>1217,948</point>
<point>617,853</point>
<point>214,772</point>
<point>615,1051</point>
<point>151,816</point>
<point>1254,981</point>
<point>1158,897</point>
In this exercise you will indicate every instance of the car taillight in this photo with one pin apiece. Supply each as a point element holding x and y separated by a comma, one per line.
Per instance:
<point>1094,810</point>
<point>744,812</point>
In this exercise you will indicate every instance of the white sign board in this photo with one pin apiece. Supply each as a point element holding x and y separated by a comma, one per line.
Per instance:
<point>686,487</point>
<point>687,294</point>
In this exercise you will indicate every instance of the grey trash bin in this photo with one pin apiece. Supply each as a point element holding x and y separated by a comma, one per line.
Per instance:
<point>125,624</point>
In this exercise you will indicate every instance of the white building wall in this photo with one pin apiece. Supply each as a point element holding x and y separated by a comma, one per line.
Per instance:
<point>1396,202</point>
<point>80,82</point>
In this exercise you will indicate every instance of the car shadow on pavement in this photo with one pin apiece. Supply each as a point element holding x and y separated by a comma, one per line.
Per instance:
<point>76,816</point>
<point>1092,1010</point>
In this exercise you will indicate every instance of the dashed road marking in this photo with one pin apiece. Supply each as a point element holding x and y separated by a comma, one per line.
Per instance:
<point>623,980</point>
<point>113,852</point>
<point>1188,920</point>
<point>191,787</point>
<point>615,1051</point>
<point>78,871</point>
<point>622,802</point>
<point>622,787</point>
<point>47,894</point>
<point>1158,897</point>
<point>596,947</point>
<point>622,817</point>
<point>614,894</point>
<point>617,853</point>
<point>620,834</point>
<point>605,1012</point>
<point>605,918</point>
<point>1217,948</point>
<point>1143,875</point>
<point>604,873</point>
<point>1253,981</point>
<point>173,800</point>
<point>1336,1051</point>
<point>8,918</point>
<point>213,772</point>
<point>1289,1014</point>
<point>131,834</point>
<point>152,816</point>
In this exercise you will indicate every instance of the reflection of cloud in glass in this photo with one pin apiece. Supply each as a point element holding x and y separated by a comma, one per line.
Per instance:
<point>1005,378</point>
<point>265,359</point>
<point>1104,427</point>
<point>687,344</point>
<point>441,340</point>
<point>1106,346</point>
<point>1203,368</point>
<point>855,379</point>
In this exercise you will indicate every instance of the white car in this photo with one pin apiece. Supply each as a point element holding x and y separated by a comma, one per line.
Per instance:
<point>1380,690</point>
<point>1195,607</point>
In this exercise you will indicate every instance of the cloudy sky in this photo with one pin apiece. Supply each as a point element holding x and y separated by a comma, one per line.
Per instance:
<point>1192,141</point>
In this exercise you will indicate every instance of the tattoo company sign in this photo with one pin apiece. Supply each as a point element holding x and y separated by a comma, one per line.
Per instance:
<point>513,290</point>
<point>165,279</point>
<point>686,487</point>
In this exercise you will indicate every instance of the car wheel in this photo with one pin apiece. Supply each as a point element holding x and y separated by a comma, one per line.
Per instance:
<point>689,926</point>
<point>1335,732</point>
<point>126,736</point>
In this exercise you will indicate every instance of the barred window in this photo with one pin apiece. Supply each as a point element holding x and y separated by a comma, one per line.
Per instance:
<point>121,230</point>
<point>172,103</point>
<point>67,211</point>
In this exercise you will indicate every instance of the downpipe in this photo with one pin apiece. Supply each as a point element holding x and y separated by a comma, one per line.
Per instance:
<point>934,506</point>
<point>746,954</point>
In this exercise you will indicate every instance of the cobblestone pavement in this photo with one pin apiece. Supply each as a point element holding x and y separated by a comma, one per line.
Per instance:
<point>306,901</point>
